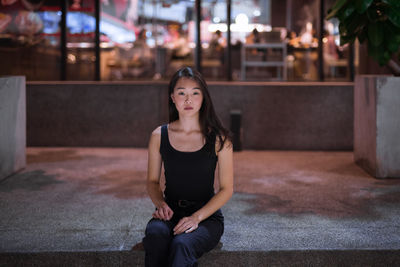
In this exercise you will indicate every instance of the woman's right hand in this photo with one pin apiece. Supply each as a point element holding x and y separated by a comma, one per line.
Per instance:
<point>163,212</point>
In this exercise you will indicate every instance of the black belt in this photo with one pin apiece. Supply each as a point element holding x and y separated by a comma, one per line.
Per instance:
<point>183,203</point>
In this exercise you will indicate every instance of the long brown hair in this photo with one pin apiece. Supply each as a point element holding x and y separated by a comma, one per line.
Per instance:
<point>210,124</point>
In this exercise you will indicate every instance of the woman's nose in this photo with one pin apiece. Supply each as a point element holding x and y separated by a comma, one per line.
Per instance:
<point>188,99</point>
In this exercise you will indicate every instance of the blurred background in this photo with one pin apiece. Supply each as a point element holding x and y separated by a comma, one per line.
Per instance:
<point>149,40</point>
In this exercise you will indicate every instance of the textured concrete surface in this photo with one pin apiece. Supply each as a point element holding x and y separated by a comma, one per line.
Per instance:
<point>12,125</point>
<point>290,116</point>
<point>217,258</point>
<point>377,125</point>
<point>388,127</point>
<point>88,205</point>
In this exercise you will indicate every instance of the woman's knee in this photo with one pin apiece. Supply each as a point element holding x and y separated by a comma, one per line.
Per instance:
<point>157,228</point>
<point>183,242</point>
<point>180,240</point>
<point>157,236</point>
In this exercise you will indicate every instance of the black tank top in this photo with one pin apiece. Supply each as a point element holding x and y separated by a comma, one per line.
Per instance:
<point>188,175</point>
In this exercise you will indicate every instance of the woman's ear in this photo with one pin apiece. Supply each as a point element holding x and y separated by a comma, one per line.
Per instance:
<point>173,98</point>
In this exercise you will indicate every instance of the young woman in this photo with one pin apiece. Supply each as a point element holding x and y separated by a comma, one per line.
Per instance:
<point>187,221</point>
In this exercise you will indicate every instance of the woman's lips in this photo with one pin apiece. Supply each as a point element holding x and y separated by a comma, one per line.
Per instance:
<point>188,108</point>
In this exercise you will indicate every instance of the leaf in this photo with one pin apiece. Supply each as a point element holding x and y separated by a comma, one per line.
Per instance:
<point>342,29</point>
<point>384,58</point>
<point>362,5</point>
<point>372,14</point>
<point>336,7</point>
<point>344,39</point>
<point>382,61</point>
<point>393,46</point>
<point>397,38</point>
<point>376,22</point>
<point>374,52</point>
<point>392,28</point>
<point>392,42</point>
<point>391,38</point>
<point>355,23</point>
<point>386,55</point>
<point>393,3</point>
<point>375,34</point>
<point>394,16</point>
<point>351,23</point>
<point>348,11</point>
<point>338,4</point>
<point>362,35</point>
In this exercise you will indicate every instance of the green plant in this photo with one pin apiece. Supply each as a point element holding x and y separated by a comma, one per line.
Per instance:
<point>376,22</point>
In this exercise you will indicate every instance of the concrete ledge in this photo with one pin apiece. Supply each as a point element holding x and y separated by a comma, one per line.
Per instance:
<point>89,206</point>
<point>12,125</point>
<point>377,125</point>
<point>289,116</point>
<point>213,258</point>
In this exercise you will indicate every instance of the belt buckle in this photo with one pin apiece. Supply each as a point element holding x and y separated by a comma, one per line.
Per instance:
<point>183,203</point>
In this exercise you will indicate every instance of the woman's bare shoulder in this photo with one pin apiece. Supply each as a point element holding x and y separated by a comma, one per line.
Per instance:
<point>155,137</point>
<point>227,144</point>
<point>157,131</point>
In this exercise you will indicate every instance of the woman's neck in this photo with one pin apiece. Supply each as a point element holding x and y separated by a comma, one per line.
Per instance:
<point>187,124</point>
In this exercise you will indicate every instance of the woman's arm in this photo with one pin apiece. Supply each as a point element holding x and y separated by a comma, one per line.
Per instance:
<point>225,176</point>
<point>163,211</point>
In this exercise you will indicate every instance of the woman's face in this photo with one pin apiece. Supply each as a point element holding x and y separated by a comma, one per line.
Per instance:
<point>187,96</point>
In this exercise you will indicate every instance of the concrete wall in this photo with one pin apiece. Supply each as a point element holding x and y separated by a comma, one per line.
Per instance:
<point>388,126</point>
<point>93,114</point>
<point>291,116</point>
<point>12,125</point>
<point>377,125</point>
<point>298,116</point>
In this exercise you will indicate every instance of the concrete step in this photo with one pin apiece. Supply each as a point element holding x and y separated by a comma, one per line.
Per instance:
<point>213,258</point>
<point>89,207</point>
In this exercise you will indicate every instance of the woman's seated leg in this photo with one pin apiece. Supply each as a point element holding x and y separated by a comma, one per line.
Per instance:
<point>158,236</point>
<point>186,248</point>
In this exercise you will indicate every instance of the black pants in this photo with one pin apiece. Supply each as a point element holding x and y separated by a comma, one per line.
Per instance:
<point>164,249</point>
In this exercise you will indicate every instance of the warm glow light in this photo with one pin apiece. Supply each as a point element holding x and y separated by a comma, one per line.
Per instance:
<point>324,40</point>
<point>309,26</point>
<point>106,45</point>
<point>192,45</point>
<point>256,13</point>
<point>71,58</point>
<point>216,20</point>
<point>242,19</point>
<point>330,28</point>
<point>259,28</point>
<point>239,28</point>
<point>215,27</point>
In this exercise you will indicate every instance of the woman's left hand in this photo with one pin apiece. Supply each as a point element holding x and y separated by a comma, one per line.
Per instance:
<point>186,225</point>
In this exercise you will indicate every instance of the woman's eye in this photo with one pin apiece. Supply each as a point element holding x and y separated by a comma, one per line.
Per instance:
<point>181,93</point>
<point>196,93</point>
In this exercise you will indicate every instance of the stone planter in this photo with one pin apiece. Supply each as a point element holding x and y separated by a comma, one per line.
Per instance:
<point>377,125</point>
<point>12,125</point>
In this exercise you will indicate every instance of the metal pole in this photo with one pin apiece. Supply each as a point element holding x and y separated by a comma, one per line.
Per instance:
<point>289,15</point>
<point>63,40</point>
<point>97,40</point>
<point>228,41</point>
<point>351,62</point>
<point>320,43</point>
<point>197,56</point>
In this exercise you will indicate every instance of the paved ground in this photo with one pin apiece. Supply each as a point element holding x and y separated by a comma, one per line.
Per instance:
<point>91,200</point>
